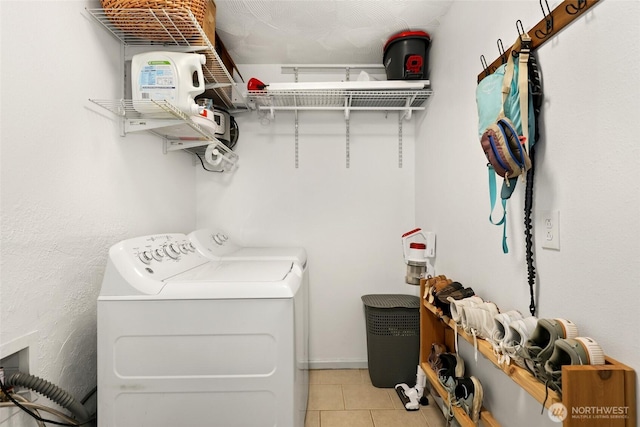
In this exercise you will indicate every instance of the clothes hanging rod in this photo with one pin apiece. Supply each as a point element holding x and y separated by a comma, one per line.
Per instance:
<point>550,25</point>
<point>330,68</point>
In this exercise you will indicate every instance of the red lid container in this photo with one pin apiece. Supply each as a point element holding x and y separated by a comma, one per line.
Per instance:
<point>406,55</point>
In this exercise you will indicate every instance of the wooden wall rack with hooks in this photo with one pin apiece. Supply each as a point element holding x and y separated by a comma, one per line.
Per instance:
<point>550,25</point>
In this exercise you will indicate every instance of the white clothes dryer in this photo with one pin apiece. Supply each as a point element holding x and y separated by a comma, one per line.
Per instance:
<point>187,341</point>
<point>218,245</point>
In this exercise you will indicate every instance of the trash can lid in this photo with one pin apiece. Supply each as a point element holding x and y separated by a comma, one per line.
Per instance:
<point>405,35</point>
<point>391,301</point>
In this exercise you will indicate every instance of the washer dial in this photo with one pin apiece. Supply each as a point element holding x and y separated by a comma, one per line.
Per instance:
<point>172,250</point>
<point>145,257</point>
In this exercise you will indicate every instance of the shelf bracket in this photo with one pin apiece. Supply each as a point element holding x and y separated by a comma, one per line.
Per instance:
<point>296,140</point>
<point>181,145</point>
<point>348,148</point>
<point>347,104</point>
<point>408,113</point>
<point>400,117</point>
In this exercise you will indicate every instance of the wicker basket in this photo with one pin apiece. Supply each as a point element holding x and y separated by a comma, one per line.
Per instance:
<point>157,20</point>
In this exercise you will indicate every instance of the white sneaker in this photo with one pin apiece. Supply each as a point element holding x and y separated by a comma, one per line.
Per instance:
<point>479,319</point>
<point>457,306</point>
<point>519,332</point>
<point>501,331</point>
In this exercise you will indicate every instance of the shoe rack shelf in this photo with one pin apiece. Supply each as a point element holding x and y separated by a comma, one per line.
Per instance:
<point>611,385</point>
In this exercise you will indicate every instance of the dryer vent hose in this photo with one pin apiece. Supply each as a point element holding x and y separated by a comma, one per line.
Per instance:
<point>51,391</point>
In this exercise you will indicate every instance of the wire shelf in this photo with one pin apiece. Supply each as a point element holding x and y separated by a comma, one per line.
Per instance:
<point>171,27</point>
<point>159,117</point>
<point>372,100</point>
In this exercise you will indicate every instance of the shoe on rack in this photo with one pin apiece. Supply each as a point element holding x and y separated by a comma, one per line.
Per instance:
<point>468,396</point>
<point>479,319</point>
<point>443,300</point>
<point>501,331</point>
<point>451,367</point>
<point>540,344</point>
<point>456,306</point>
<point>439,284</point>
<point>568,351</point>
<point>513,345</point>
<point>434,359</point>
<point>444,292</point>
<point>431,281</point>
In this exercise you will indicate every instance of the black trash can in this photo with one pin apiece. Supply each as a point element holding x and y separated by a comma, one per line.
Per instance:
<point>393,338</point>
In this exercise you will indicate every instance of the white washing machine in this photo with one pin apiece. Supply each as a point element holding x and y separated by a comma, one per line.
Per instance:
<point>187,341</point>
<point>217,245</point>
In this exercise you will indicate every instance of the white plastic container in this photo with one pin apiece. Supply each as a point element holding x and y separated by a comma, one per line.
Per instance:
<point>167,76</point>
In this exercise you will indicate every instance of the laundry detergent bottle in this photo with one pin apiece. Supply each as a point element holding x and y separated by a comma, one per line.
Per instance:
<point>167,76</point>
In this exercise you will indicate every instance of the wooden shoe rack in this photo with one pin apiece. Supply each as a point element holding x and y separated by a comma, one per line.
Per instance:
<point>594,396</point>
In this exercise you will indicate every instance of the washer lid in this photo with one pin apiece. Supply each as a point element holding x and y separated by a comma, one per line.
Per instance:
<point>297,255</point>
<point>235,280</point>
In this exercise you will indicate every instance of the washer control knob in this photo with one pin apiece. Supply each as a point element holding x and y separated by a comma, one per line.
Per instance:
<point>158,254</point>
<point>183,248</point>
<point>191,247</point>
<point>145,257</point>
<point>216,238</point>
<point>172,250</point>
<point>224,237</point>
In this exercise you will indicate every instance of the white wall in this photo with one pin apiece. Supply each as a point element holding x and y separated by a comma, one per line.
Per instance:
<point>588,165</point>
<point>71,186</point>
<point>349,220</point>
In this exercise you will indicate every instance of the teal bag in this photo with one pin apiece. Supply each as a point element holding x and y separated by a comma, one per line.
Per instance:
<point>500,129</point>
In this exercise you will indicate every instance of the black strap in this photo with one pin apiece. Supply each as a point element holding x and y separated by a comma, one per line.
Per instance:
<point>535,84</point>
<point>528,227</point>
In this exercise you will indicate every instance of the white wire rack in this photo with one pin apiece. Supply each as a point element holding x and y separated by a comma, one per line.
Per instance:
<point>346,100</point>
<point>159,117</point>
<point>163,28</point>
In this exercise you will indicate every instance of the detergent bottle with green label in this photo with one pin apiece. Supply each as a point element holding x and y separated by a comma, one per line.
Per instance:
<point>167,76</point>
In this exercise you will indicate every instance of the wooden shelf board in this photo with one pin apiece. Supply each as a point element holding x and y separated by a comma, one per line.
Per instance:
<point>488,420</point>
<point>458,413</point>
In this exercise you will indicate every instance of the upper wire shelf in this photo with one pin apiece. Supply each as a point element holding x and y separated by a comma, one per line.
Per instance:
<point>341,99</point>
<point>172,27</point>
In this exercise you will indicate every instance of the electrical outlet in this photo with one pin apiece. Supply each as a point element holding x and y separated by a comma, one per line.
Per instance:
<point>550,229</point>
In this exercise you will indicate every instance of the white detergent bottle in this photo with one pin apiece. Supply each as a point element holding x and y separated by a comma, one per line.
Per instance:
<point>167,76</point>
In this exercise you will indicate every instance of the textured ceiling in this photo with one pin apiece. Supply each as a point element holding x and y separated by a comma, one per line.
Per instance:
<point>320,31</point>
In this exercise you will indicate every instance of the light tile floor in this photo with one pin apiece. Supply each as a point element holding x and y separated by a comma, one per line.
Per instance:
<point>346,398</point>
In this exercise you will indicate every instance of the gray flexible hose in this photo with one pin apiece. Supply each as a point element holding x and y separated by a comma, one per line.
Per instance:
<point>51,391</point>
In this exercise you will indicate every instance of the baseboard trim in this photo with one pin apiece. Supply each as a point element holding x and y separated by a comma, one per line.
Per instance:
<point>338,364</point>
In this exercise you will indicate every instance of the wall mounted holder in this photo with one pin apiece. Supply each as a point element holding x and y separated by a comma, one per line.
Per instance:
<point>550,25</point>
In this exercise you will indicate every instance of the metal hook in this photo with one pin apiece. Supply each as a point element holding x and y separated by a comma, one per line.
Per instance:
<point>501,51</point>
<point>520,33</point>
<point>515,52</point>
<point>485,67</point>
<point>574,10</point>
<point>548,19</point>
